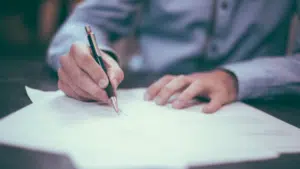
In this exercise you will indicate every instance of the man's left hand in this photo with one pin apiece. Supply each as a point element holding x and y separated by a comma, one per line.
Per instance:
<point>219,86</point>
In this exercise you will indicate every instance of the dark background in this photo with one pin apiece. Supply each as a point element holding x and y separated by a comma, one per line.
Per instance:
<point>28,25</point>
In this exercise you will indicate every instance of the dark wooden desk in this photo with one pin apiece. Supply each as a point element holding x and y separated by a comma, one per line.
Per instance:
<point>14,75</point>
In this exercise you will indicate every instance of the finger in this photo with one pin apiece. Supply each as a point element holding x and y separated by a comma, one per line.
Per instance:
<point>170,89</point>
<point>115,73</point>
<point>195,89</point>
<point>63,77</point>
<point>88,85</point>
<point>189,103</point>
<point>81,54</point>
<point>116,76</point>
<point>67,90</point>
<point>154,89</point>
<point>216,102</point>
<point>82,79</point>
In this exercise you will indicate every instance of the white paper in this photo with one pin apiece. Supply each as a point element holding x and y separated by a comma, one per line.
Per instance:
<point>148,135</point>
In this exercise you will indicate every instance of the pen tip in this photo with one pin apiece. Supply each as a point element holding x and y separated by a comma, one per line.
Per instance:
<point>88,29</point>
<point>115,104</point>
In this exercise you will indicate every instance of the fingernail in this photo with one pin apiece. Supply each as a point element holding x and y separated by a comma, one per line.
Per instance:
<point>146,97</point>
<point>102,83</point>
<point>158,101</point>
<point>178,104</point>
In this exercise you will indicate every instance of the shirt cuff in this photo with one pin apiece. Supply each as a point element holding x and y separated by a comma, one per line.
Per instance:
<point>245,76</point>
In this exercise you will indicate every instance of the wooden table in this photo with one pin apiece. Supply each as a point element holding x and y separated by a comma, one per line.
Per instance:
<point>14,75</point>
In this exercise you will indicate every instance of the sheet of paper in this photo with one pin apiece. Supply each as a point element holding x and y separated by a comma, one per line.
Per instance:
<point>148,135</point>
<point>231,115</point>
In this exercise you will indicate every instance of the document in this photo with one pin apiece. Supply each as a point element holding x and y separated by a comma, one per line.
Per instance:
<point>145,135</point>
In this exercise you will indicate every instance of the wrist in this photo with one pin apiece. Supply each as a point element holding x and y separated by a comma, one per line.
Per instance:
<point>231,81</point>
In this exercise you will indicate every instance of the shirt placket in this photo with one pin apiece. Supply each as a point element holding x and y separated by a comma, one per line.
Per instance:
<point>221,18</point>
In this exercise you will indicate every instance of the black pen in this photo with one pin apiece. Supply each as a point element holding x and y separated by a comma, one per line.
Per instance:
<point>98,58</point>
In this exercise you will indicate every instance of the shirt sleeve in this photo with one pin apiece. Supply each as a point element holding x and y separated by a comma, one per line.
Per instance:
<point>109,20</point>
<point>267,76</point>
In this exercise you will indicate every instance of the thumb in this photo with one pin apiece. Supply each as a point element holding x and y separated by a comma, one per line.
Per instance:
<point>114,72</point>
<point>214,105</point>
<point>116,76</point>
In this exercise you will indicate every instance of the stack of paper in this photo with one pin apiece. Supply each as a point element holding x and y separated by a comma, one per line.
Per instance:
<point>145,135</point>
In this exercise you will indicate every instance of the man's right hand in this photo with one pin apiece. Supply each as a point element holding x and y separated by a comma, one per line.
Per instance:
<point>82,78</point>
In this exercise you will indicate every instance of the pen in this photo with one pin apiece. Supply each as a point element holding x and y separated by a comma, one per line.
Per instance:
<point>98,58</point>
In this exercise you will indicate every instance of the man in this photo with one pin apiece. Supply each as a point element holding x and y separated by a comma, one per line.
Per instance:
<point>227,49</point>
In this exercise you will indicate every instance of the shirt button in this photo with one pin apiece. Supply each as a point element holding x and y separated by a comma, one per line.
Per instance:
<point>214,48</point>
<point>224,5</point>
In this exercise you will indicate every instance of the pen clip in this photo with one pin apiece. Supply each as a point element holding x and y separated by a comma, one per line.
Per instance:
<point>93,41</point>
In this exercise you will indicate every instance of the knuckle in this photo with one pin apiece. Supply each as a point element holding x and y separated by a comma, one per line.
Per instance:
<point>189,79</point>
<point>156,87</point>
<point>167,90</point>
<point>63,60</point>
<point>168,77</point>
<point>79,51</point>
<point>74,48</point>
<point>188,94</point>
<point>181,78</point>
<point>152,89</point>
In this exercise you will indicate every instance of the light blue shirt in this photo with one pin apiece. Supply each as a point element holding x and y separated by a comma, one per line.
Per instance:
<point>247,37</point>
